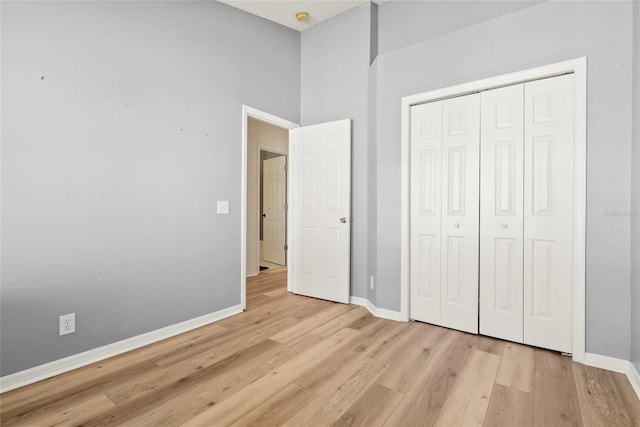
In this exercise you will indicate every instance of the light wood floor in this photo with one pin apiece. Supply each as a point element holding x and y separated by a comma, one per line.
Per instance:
<point>296,361</point>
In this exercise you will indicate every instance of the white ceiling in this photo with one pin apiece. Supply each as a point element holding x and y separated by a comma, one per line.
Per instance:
<point>284,11</point>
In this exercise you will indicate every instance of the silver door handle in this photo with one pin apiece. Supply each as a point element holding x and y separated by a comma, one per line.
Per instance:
<point>504,226</point>
<point>343,220</point>
<point>456,225</point>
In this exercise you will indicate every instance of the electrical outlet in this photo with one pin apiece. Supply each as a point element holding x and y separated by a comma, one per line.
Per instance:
<point>67,324</point>
<point>223,207</point>
<point>371,284</point>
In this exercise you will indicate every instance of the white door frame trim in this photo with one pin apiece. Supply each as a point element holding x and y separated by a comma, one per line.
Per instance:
<point>576,66</point>
<point>276,121</point>
<point>262,147</point>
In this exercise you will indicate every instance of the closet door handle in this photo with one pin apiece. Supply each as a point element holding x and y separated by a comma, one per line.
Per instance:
<point>504,226</point>
<point>456,225</point>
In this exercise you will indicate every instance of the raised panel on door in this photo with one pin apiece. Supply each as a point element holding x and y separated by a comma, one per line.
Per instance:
<point>501,215</point>
<point>320,210</point>
<point>426,142</point>
<point>548,213</point>
<point>460,213</point>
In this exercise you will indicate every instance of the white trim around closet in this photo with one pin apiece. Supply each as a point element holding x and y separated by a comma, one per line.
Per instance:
<point>579,69</point>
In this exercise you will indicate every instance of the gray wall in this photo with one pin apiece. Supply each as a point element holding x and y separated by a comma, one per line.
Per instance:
<point>408,22</point>
<point>121,129</point>
<point>538,35</point>
<point>334,68</point>
<point>635,195</point>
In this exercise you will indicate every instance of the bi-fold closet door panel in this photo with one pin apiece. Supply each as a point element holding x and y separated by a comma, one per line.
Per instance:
<point>501,213</point>
<point>526,217</point>
<point>445,212</point>
<point>426,211</point>
<point>548,213</point>
<point>460,212</point>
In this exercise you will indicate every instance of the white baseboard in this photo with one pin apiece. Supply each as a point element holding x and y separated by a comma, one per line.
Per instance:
<point>634,378</point>
<point>616,365</point>
<point>606,362</point>
<point>377,312</point>
<point>60,366</point>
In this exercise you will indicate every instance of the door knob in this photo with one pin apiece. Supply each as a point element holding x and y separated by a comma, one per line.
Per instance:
<point>456,225</point>
<point>343,220</point>
<point>504,226</point>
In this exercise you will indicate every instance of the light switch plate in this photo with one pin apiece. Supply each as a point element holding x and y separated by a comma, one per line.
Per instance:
<point>223,207</point>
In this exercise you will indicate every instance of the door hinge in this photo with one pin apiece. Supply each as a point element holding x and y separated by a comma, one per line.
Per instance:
<point>286,247</point>
<point>286,167</point>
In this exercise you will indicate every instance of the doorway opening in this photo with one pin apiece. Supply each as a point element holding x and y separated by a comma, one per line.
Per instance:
<point>265,140</point>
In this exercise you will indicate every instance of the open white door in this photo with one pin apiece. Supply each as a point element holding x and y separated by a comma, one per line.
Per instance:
<point>320,210</point>
<point>273,215</point>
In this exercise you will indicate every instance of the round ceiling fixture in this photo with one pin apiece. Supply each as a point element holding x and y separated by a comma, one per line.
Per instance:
<point>302,16</point>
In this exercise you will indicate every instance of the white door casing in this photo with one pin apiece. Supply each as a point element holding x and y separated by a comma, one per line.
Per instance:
<point>548,212</point>
<point>320,210</point>
<point>274,195</point>
<point>460,212</point>
<point>501,215</point>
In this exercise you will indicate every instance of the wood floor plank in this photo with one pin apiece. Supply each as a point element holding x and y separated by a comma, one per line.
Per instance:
<point>555,395</point>
<point>424,400</point>
<point>469,399</point>
<point>600,401</point>
<point>279,409</point>
<point>73,414</point>
<point>228,343</point>
<point>404,370</point>
<point>154,380</point>
<point>231,409</point>
<point>342,321</point>
<point>517,367</point>
<point>489,345</point>
<point>184,406</point>
<point>339,366</point>
<point>329,406</point>
<point>509,407</point>
<point>629,397</point>
<point>372,408</point>
<point>310,323</point>
<point>132,409</point>
<point>66,391</point>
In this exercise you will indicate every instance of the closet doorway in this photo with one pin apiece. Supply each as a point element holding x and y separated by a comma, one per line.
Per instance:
<point>493,207</point>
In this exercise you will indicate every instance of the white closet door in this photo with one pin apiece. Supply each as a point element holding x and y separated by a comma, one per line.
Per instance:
<point>460,213</point>
<point>426,217</point>
<point>548,213</point>
<point>501,216</point>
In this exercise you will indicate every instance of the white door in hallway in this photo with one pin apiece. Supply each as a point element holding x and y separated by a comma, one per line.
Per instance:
<point>320,210</point>
<point>274,200</point>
